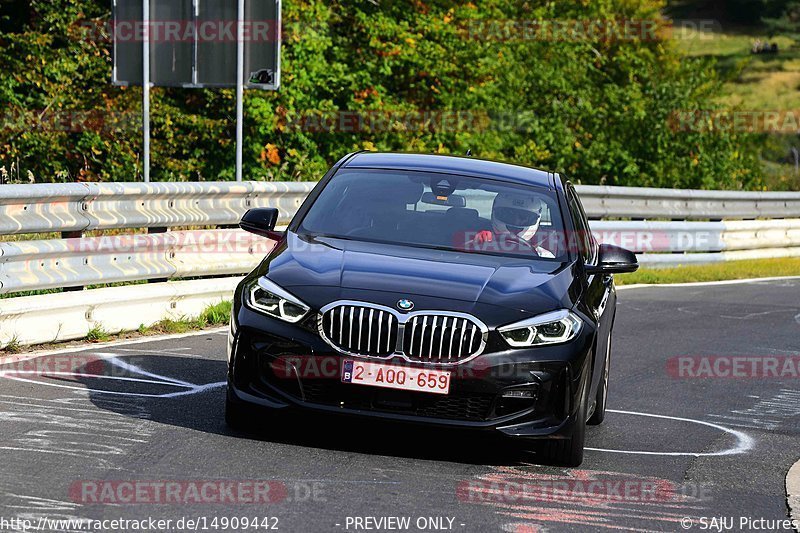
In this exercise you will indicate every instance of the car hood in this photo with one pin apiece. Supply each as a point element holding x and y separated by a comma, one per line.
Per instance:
<point>306,266</point>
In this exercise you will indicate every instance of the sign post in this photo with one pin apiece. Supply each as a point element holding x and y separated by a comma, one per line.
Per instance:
<point>240,92</point>
<point>190,44</point>
<point>146,91</point>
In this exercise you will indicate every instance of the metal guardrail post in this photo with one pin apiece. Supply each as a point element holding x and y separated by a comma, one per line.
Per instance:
<point>158,231</point>
<point>72,235</point>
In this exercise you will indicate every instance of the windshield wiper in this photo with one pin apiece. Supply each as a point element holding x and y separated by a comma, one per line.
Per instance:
<point>327,236</point>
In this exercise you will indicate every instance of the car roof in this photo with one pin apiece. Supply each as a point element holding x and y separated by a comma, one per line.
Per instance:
<point>467,166</point>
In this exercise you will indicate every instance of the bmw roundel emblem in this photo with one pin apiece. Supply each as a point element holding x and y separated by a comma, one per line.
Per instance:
<point>405,305</point>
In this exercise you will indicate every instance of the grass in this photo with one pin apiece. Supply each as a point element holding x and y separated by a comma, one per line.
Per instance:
<point>112,232</point>
<point>755,81</point>
<point>755,268</point>
<point>29,293</point>
<point>98,334</point>
<point>13,346</point>
<point>88,287</point>
<point>214,315</point>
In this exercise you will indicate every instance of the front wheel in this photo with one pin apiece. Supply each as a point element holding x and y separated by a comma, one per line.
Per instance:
<point>238,416</point>
<point>569,452</point>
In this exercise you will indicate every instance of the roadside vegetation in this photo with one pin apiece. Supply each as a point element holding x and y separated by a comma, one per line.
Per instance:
<point>768,82</point>
<point>214,315</point>
<point>753,82</point>
<point>98,334</point>
<point>756,268</point>
<point>439,77</point>
<point>13,346</point>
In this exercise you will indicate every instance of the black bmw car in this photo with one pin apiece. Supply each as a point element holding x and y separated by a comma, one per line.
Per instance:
<point>431,289</point>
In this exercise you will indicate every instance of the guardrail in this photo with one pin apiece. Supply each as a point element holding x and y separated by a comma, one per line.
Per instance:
<point>665,226</point>
<point>669,243</point>
<point>79,262</point>
<point>64,316</point>
<point>77,207</point>
<point>686,204</point>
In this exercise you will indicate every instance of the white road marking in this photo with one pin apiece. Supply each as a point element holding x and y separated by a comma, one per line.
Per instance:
<point>751,315</point>
<point>99,438</point>
<point>114,360</point>
<point>191,388</point>
<point>43,504</point>
<point>64,404</point>
<point>768,413</point>
<point>142,340</point>
<point>182,352</point>
<point>744,443</point>
<point>14,359</point>
<point>34,405</point>
<point>195,389</point>
<point>12,373</point>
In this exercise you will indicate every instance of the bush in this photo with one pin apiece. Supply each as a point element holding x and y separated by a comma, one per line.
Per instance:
<point>599,111</point>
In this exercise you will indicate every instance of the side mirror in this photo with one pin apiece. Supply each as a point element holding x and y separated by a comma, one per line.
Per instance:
<point>614,260</point>
<point>262,222</point>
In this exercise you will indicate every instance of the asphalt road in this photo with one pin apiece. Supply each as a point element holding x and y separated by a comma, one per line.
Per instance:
<point>150,413</point>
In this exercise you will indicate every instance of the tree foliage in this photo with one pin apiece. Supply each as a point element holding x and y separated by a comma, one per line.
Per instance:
<point>436,76</point>
<point>787,23</point>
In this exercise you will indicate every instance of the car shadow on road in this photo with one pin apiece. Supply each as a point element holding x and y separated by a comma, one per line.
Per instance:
<point>163,400</point>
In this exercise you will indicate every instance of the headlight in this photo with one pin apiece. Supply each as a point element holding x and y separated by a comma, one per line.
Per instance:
<point>552,328</point>
<point>266,297</point>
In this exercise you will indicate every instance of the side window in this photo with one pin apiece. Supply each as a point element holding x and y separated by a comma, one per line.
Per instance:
<point>583,237</point>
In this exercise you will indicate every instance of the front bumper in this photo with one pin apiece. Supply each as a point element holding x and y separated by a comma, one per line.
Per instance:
<point>282,366</point>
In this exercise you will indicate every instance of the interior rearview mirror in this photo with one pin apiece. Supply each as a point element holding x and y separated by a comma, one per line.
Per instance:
<point>453,200</point>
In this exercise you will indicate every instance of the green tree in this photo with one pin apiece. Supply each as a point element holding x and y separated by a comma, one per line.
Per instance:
<point>437,76</point>
<point>787,24</point>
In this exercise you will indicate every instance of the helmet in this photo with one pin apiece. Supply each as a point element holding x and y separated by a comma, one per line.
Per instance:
<point>519,214</point>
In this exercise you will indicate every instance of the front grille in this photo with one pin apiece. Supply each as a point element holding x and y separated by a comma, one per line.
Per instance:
<point>424,337</point>
<point>361,330</point>
<point>441,339</point>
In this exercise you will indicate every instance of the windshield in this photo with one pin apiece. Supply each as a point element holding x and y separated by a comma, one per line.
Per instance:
<point>445,212</point>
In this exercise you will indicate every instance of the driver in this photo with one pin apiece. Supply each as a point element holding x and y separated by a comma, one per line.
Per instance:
<point>515,221</point>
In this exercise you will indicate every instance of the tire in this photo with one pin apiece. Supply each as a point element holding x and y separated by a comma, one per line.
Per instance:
<point>237,415</point>
<point>602,390</point>
<point>569,452</point>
